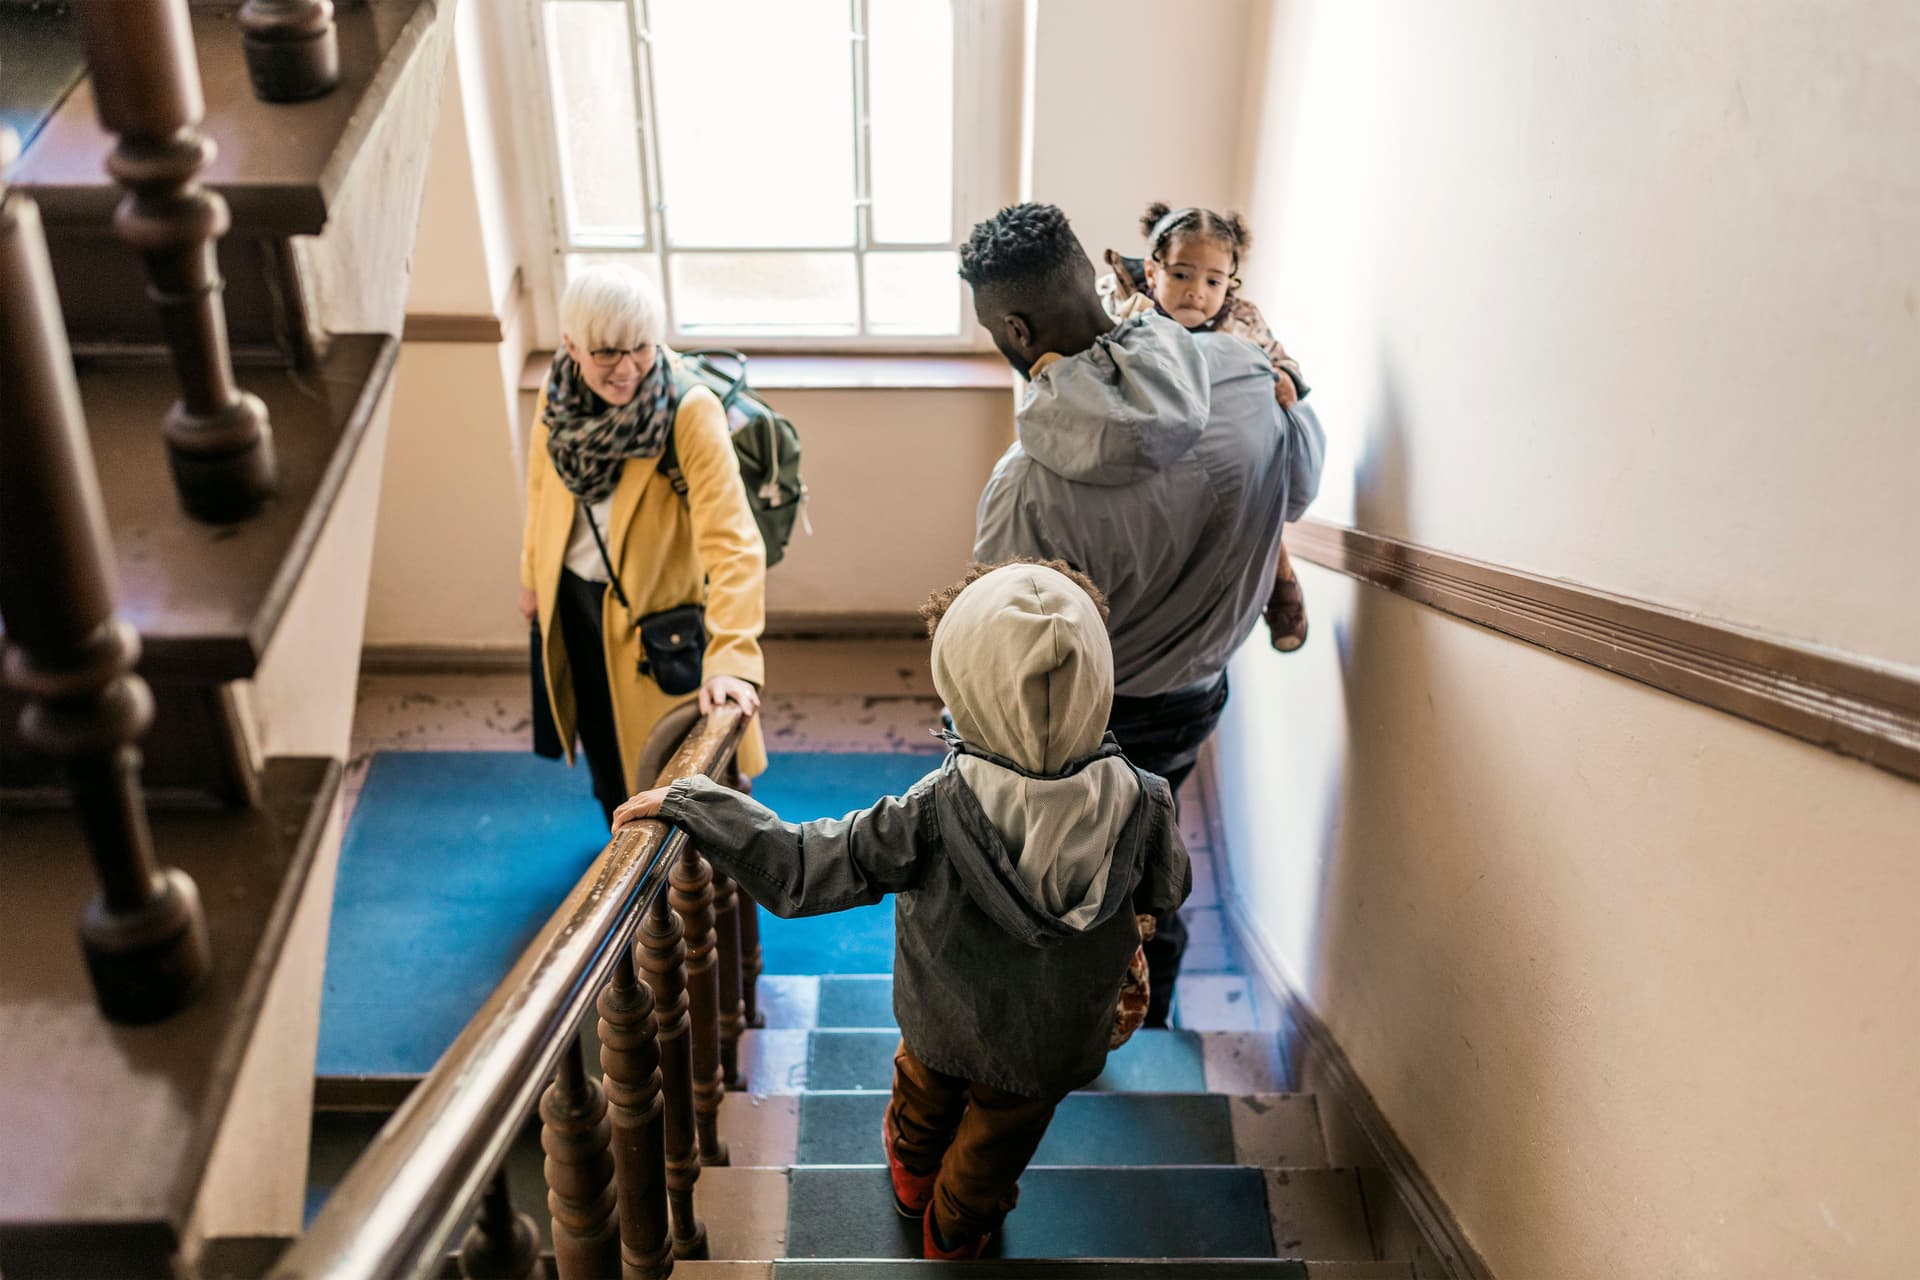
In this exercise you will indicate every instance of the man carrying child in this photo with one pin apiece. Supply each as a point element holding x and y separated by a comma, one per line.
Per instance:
<point>1155,460</point>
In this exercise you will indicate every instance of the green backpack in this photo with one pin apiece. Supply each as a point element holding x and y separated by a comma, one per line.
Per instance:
<point>764,444</point>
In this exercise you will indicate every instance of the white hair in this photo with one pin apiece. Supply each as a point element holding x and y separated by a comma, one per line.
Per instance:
<point>612,306</point>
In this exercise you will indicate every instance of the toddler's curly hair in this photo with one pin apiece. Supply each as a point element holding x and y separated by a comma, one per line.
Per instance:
<point>1162,222</point>
<point>942,600</point>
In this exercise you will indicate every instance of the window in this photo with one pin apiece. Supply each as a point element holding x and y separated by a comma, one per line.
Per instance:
<point>788,171</point>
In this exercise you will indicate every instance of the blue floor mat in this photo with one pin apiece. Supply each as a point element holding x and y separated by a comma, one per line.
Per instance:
<point>454,859</point>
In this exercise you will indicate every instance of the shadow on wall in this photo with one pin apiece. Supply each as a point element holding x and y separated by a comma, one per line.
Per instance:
<point>1384,973</point>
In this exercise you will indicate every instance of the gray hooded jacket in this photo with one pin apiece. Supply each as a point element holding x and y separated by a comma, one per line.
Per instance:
<point>1159,464</point>
<point>1019,863</point>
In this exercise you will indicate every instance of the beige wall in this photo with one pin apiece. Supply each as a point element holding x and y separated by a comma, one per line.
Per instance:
<point>446,567</point>
<point>1624,295</point>
<point>1135,101</point>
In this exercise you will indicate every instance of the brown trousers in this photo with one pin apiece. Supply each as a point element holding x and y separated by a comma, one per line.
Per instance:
<point>978,1137</point>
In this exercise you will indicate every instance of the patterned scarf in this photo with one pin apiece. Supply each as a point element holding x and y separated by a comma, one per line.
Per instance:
<point>589,439</point>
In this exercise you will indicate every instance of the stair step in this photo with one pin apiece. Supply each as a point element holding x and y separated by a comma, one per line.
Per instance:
<point>80,1095</point>
<point>1151,1062</point>
<point>850,1001</point>
<point>1047,1269</point>
<point>1114,1129</point>
<point>1190,1212</point>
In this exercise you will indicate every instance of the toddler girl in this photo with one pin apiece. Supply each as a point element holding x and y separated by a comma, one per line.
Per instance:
<point>1191,275</point>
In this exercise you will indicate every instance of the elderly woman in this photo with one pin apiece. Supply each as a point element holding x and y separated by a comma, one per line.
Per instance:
<point>611,546</point>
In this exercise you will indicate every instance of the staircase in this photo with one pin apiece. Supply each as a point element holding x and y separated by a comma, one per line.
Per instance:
<point>1193,1154</point>
<point>1189,1146</point>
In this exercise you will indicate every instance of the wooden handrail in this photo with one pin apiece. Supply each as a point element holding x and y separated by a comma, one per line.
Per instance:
<point>396,1209</point>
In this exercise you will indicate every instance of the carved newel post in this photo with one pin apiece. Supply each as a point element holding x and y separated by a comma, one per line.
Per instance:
<point>292,51</point>
<point>144,935</point>
<point>146,86</point>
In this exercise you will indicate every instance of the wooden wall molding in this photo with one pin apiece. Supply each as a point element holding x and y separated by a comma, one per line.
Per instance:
<point>1844,702</point>
<point>436,326</point>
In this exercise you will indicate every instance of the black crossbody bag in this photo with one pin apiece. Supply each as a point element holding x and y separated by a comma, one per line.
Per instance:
<point>673,642</point>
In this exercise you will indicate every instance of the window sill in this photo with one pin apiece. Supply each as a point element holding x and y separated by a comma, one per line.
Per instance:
<point>785,371</point>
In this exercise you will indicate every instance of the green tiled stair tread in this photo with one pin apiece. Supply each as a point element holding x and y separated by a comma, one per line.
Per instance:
<point>865,1001</point>
<point>1114,1129</point>
<point>1151,1062</point>
<point>1050,1269</point>
<point>1205,1212</point>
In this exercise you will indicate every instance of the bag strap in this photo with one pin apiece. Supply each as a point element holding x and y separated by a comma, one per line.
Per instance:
<point>612,578</point>
<point>669,464</point>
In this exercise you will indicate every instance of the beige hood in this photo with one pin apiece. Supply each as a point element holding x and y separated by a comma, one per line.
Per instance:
<point>1023,662</point>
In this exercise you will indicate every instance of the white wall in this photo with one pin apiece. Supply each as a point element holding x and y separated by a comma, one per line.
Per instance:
<point>1622,294</point>
<point>1629,295</point>
<point>446,556</point>
<point>1135,101</point>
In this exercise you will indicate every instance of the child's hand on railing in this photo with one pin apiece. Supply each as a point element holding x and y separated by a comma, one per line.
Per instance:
<point>639,808</point>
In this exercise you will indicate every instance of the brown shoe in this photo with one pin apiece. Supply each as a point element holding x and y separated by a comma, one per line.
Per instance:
<point>1286,610</point>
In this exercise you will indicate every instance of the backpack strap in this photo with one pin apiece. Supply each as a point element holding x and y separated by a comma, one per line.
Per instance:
<point>669,465</point>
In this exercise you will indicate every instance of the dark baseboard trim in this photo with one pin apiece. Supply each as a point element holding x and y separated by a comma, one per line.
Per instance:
<point>493,659</point>
<point>1844,702</point>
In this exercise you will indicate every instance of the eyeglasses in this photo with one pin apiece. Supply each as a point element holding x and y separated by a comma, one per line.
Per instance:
<point>610,357</point>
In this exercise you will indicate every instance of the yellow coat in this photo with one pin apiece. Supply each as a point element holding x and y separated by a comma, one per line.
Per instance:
<point>669,551</point>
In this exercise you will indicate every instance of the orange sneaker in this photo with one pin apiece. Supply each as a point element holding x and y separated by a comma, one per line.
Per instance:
<point>912,1192</point>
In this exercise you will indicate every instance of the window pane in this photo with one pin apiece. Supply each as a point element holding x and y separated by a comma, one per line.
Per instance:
<point>754,106</point>
<point>915,294</point>
<point>910,104</point>
<point>765,293</point>
<point>590,65</point>
<point>648,264</point>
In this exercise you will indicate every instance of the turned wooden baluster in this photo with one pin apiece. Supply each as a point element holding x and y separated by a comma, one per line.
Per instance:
<point>292,51</point>
<point>630,1063</point>
<point>146,87</point>
<point>145,936</point>
<point>502,1244</point>
<point>691,894</point>
<point>726,943</point>
<point>726,938</point>
<point>750,960</point>
<point>577,1137</point>
<point>748,923</point>
<point>663,959</point>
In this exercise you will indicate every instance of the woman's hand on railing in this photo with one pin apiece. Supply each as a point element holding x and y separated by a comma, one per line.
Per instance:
<point>639,808</point>
<point>721,690</point>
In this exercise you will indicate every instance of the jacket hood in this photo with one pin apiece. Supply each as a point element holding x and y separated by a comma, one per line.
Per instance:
<point>1045,858</point>
<point>1023,662</point>
<point>1121,410</point>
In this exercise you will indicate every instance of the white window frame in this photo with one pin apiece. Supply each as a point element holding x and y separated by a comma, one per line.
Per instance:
<point>986,114</point>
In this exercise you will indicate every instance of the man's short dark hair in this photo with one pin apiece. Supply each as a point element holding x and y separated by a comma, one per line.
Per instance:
<point>1021,250</point>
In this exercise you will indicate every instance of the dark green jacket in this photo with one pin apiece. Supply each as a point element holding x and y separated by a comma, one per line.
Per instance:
<point>988,985</point>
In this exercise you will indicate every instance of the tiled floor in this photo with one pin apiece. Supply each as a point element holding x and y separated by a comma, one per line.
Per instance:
<point>831,696</point>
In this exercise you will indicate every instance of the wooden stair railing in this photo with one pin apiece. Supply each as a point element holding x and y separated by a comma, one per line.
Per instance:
<point>623,1154</point>
<point>145,934</point>
<point>147,89</point>
<point>293,51</point>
